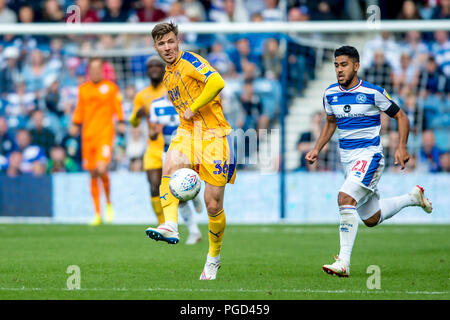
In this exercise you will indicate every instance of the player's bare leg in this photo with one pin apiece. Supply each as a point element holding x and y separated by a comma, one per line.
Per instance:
<point>168,231</point>
<point>154,178</point>
<point>386,208</point>
<point>347,233</point>
<point>214,206</point>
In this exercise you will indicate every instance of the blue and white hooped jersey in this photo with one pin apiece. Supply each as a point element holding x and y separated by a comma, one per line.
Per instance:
<point>357,111</point>
<point>163,112</point>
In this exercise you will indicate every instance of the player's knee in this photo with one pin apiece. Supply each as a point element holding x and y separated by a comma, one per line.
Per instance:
<point>345,199</point>
<point>213,206</point>
<point>373,220</point>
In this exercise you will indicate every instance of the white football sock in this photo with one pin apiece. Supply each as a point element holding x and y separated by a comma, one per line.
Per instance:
<point>185,210</point>
<point>391,206</point>
<point>347,231</point>
<point>173,225</point>
<point>210,259</point>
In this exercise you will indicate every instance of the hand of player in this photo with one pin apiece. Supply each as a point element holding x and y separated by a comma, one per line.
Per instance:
<point>312,156</point>
<point>140,113</point>
<point>401,157</point>
<point>74,130</point>
<point>188,114</point>
<point>121,128</point>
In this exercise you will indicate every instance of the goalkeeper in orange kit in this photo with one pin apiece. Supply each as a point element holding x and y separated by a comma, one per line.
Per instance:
<point>99,104</point>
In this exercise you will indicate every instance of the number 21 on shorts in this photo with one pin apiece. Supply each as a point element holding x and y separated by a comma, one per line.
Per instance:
<point>360,166</point>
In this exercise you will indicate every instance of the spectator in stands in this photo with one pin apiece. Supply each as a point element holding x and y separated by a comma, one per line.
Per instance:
<point>429,153</point>
<point>115,12</point>
<point>442,11</point>
<point>242,54</point>
<point>35,73</point>
<point>409,11</point>
<point>272,60</point>
<point>39,168</point>
<point>148,12</point>
<point>20,103</point>
<point>56,55</point>
<point>26,14</point>
<point>272,11</point>
<point>72,146</point>
<point>231,11</point>
<point>68,75</point>
<point>136,144</point>
<point>444,160</point>
<point>407,75</point>
<point>52,12</point>
<point>9,73</point>
<point>432,80</point>
<point>52,99</point>
<point>218,58</point>
<point>6,14</point>
<point>176,13</point>
<point>386,43</point>
<point>307,139</point>
<point>128,100</point>
<point>251,103</point>
<point>14,164</point>
<point>416,48</point>
<point>58,161</point>
<point>325,10</point>
<point>195,10</point>
<point>7,143</point>
<point>40,135</point>
<point>380,72</point>
<point>298,14</point>
<point>441,51</point>
<point>389,150</point>
<point>411,110</point>
<point>87,14</point>
<point>30,153</point>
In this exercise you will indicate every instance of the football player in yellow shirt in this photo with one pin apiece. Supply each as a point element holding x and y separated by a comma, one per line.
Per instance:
<point>155,145</point>
<point>202,141</point>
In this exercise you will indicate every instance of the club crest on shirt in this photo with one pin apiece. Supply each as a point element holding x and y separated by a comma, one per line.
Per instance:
<point>361,98</point>
<point>104,88</point>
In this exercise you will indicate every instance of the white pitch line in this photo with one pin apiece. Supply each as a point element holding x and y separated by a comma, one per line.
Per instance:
<point>236,290</point>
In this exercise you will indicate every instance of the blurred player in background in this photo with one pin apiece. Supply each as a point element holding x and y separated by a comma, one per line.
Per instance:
<point>353,106</point>
<point>162,120</point>
<point>201,142</point>
<point>99,104</point>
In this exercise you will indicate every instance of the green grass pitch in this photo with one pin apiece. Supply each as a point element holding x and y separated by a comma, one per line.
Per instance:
<point>258,262</point>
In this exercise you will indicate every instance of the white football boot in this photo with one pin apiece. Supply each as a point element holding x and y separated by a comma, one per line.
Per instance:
<point>194,238</point>
<point>418,193</point>
<point>340,268</point>
<point>164,233</point>
<point>210,269</point>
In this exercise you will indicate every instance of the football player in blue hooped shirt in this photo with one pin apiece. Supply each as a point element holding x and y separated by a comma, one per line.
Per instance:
<point>354,106</point>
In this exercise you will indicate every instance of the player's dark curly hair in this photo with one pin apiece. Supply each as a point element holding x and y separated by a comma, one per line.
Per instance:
<point>349,51</point>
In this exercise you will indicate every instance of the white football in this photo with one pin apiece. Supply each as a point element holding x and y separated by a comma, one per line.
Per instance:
<point>185,184</point>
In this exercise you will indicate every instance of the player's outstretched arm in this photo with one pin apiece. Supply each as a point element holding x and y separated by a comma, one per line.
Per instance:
<point>325,136</point>
<point>212,88</point>
<point>401,154</point>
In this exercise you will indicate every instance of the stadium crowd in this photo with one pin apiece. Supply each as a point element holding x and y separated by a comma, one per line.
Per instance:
<point>40,75</point>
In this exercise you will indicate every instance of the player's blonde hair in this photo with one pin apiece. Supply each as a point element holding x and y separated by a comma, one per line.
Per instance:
<point>161,29</point>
